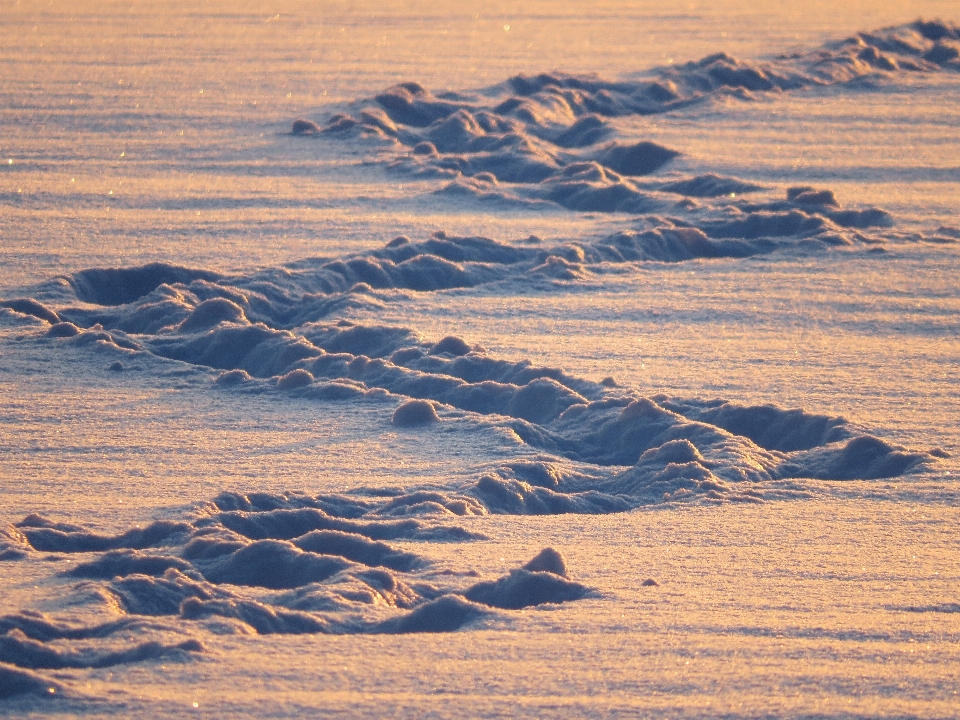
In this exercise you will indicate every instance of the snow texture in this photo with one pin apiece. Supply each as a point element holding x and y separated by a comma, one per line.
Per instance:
<point>605,448</point>
<point>341,583</point>
<point>358,562</point>
<point>549,137</point>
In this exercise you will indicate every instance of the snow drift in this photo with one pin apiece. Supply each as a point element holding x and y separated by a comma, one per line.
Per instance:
<point>553,137</point>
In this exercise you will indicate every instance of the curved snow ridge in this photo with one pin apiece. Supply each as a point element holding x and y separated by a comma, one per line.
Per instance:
<point>550,136</point>
<point>264,564</point>
<point>589,187</point>
<point>273,567</point>
<point>567,416</point>
<point>33,641</point>
<point>160,297</point>
<point>621,450</point>
<point>15,682</point>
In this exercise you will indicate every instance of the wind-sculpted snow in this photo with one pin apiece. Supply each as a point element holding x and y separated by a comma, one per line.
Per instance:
<point>265,563</point>
<point>368,562</point>
<point>552,138</point>
<point>13,544</point>
<point>266,569</point>
<point>31,640</point>
<point>15,681</point>
<point>246,311</point>
<point>360,562</point>
<point>596,448</point>
<point>18,649</point>
<point>613,449</point>
<point>365,561</point>
<point>44,535</point>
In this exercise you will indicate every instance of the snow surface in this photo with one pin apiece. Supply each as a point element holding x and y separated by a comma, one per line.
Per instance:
<point>371,359</point>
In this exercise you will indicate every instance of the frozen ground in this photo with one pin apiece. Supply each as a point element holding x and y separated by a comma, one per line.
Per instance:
<point>689,319</point>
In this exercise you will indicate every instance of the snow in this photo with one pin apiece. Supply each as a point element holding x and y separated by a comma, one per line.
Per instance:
<point>596,361</point>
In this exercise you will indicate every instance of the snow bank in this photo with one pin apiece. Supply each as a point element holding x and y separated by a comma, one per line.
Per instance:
<point>445,614</point>
<point>118,563</point>
<point>415,412</point>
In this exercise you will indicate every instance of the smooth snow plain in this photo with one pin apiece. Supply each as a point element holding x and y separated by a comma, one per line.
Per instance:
<point>368,359</point>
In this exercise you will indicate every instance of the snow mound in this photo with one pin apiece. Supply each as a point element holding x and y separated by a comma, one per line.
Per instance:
<point>445,614</point>
<point>415,412</point>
